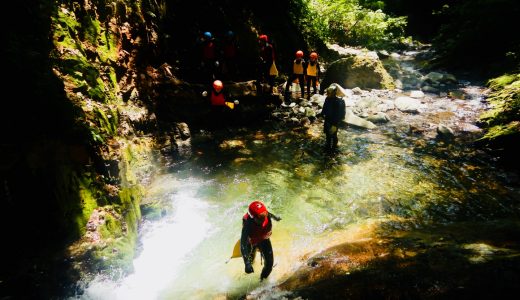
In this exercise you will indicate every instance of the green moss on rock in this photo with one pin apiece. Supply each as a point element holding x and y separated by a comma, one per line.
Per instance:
<point>503,119</point>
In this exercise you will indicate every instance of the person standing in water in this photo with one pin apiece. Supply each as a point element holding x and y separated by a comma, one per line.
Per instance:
<point>334,112</point>
<point>256,233</point>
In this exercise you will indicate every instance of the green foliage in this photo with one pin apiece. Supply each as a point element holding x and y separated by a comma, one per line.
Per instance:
<point>347,22</point>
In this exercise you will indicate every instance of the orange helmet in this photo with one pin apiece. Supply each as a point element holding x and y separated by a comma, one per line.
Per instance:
<point>218,85</point>
<point>299,54</point>
<point>263,37</point>
<point>314,55</point>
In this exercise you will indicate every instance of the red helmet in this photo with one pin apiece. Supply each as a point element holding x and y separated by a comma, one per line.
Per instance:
<point>314,55</point>
<point>299,54</point>
<point>218,85</point>
<point>263,37</point>
<point>256,208</point>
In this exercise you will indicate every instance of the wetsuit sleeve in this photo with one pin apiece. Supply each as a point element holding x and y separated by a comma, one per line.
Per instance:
<point>274,217</point>
<point>245,246</point>
<point>342,110</point>
<point>326,108</point>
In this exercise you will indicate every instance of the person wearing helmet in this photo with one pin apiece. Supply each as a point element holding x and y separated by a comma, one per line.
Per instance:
<point>217,96</point>
<point>266,60</point>
<point>208,54</point>
<point>220,106</point>
<point>333,112</point>
<point>298,71</point>
<point>312,73</point>
<point>229,49</point>
<point>256,230</point>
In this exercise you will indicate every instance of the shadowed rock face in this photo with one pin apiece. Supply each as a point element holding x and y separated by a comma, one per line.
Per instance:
<point>358,71</point>
<point>459,260</point>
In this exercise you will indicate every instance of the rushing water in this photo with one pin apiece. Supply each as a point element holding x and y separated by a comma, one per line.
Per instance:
<point>377,176</point>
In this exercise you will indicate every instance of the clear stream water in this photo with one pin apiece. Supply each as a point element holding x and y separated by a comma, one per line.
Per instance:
<point>323,200</point>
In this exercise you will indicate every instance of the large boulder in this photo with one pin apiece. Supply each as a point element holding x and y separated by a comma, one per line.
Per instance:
<point>361,71</point>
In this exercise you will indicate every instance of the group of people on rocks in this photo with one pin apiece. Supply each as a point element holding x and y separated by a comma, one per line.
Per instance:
<point>219,62</point>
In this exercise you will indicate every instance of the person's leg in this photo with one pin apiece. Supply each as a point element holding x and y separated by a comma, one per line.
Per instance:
<point>314,89</point>
<point>267,253</point>
<point>328,137</point>
<point>271,84</point>
<point>335,140</point>
<point>261,78</point>
<point>287,93</point>
<point>309,78</point>
<point>302,84</point>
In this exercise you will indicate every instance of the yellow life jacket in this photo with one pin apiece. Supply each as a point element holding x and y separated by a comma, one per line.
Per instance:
<point>298,67</point>
<point>312,70</point>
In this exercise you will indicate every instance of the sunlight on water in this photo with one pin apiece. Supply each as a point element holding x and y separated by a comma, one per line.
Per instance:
<point>166,244</point>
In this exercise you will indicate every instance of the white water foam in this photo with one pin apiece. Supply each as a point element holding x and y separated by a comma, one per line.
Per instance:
<point>165,247</point>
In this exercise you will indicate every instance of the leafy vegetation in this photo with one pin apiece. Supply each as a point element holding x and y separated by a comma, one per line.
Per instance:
<point>347,22</point>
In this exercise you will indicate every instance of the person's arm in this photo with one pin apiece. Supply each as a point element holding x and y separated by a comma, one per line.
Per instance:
<point>275,217</point>
<point>245,249</point>
<point>326,107</point>
<point>343,109</point>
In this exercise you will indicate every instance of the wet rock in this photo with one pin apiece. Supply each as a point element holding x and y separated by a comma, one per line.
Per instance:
<point>358,71</point>
<point>357,91</point>
<point>386,106</point>
<point>444,131</point>
<point>430,89</point>
<point>407,104</point>
<point>417,94</point>
<point>379,117</point>
<point>352,119</point>
<point>184,131</point>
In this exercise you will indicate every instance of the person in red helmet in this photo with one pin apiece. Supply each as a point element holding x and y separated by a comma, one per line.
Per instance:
<point>266,59</point>
<point>220,106</point>
<point>256,230</point>
<point>298,71</point>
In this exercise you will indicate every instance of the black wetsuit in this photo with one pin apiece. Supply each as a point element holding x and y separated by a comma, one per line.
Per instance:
<point>248,250</point>
<point>334,112</point>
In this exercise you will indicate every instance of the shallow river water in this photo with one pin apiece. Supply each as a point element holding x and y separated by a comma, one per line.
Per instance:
<point>382,176</point>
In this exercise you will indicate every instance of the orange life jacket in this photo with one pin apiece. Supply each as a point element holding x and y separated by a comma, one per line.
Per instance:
<point>257,233</point>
